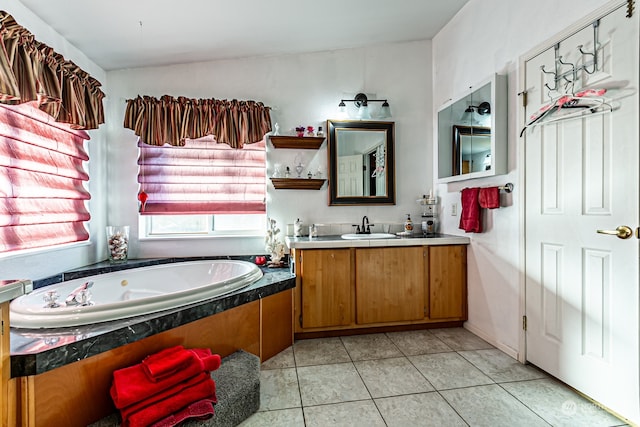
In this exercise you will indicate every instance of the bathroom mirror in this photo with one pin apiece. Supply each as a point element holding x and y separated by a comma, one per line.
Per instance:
<point>361,162</point>
<point>471,147</point>
<point>472,133</point>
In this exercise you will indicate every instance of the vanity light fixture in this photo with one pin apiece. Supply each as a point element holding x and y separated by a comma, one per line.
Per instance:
<point>469,117</point>
<point>362,103</point>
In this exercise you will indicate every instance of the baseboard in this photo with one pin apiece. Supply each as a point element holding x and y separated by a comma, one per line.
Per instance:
<point>502,347</point>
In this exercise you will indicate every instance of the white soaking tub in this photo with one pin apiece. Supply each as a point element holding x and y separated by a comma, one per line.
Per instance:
<point>129,293</point>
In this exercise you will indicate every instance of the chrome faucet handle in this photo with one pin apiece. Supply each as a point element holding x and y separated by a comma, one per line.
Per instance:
<point>51,299</point>
<point>84,297</point>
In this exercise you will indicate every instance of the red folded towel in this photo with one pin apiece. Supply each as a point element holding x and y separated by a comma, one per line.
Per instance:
<point>166,362</point>
<point>169,402</point>
<point>131,385</point>
<point>470,215</point>
<point>489,197</point>
<point>201,410</point>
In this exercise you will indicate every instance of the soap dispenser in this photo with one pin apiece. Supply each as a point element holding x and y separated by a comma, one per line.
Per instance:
<point>408,225</point>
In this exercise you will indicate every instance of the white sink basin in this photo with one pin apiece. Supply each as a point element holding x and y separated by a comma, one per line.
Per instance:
<point>354,236</point>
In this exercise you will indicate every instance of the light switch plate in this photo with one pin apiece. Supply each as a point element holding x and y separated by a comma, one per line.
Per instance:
<point>454,209</point>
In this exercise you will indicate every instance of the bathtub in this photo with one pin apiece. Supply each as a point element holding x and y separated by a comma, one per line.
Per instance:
<point>133,292</point>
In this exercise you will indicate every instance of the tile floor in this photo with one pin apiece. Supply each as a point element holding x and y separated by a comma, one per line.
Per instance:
<point>436,377</point>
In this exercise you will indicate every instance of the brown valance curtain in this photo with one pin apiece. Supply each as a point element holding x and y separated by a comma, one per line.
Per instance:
<point>170,120</point>
<point>31,71</point>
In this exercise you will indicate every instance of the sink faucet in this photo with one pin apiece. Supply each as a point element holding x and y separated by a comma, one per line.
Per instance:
<point>367,229</point>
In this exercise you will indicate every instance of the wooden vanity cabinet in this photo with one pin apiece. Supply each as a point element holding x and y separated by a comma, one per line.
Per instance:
<point>390,284</point>
<point>347,289</point>
<point>323,291</point>
<point>448,282</point>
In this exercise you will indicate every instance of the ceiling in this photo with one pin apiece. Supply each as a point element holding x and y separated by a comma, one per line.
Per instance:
<point>118,34</point>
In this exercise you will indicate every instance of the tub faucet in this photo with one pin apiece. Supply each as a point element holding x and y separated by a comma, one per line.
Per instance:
<point>80,295</point>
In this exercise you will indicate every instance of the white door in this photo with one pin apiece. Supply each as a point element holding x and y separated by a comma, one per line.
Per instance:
<point>582,290</point>
<point>350,176</point>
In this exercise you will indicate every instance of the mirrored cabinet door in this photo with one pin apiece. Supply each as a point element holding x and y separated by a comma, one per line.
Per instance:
<point>472,133</point>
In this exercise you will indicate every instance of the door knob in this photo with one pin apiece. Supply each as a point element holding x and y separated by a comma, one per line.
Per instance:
<point>623,232</point>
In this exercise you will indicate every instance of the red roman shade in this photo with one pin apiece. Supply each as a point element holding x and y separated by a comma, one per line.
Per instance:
<point>203,177</point>
<point>42,193</point>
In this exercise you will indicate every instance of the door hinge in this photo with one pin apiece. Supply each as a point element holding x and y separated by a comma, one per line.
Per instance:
<point>300,320</point>
<point>524,97</point>
<point>2,327</point>
<point>630,7</point>
<point>524,323</point>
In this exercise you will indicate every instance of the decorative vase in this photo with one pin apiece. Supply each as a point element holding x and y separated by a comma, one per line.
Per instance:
<point>118,243</point>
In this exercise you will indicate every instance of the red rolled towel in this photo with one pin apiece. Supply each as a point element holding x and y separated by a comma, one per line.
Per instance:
<point>169,402</point>
<point>131,385</point>
<point>489,197</point>
<point>164,363</point>
<point>470,215</point>
<point>200,410</point>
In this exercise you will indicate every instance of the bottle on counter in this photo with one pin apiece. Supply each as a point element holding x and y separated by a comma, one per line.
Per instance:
<point>408,224</point>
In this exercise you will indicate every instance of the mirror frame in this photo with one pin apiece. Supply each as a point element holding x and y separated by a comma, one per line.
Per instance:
<point>456,145</point>
<point>389,128</point>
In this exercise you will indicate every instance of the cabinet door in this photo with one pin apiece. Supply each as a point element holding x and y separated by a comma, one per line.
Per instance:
<point>325,287</point>
<point>390,284</point>
<point>448,282</point>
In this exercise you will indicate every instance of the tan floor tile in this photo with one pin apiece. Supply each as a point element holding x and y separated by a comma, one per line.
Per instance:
<point>391,377</point>
<point>413,343</point>
<point>424,410</point>
<point>323,384</point>
<point>372,346</point>
<point>350,414</point>
<point>320,351</point>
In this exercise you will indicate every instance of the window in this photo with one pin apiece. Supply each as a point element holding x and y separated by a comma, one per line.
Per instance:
<point>203,188</point>
<point>203,225</point>
<point>42,175</point>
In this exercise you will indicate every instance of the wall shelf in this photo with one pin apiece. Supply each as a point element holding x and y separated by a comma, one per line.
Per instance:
<point>300,142</point>
<point>297,183</point>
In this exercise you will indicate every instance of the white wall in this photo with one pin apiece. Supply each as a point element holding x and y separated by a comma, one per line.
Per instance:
<point>303,89</point>
<point>485,37</point>
<point>38,264</point>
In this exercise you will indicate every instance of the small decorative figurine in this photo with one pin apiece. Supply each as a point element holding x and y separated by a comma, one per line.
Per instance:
<point>276,129</point>
<point>273,244</point>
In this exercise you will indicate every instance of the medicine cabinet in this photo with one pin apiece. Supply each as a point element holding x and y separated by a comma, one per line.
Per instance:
<point>472,133</point>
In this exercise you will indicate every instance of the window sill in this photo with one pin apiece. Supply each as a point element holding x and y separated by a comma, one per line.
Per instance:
<point>232,236</point>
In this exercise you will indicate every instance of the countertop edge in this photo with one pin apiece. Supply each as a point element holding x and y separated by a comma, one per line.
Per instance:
<point>326,242</point>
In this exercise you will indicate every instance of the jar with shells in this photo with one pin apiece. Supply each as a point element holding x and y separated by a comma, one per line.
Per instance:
<point>118,243</point>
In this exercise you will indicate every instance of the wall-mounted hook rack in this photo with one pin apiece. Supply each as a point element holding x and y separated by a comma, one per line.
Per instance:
<point>571,76</point>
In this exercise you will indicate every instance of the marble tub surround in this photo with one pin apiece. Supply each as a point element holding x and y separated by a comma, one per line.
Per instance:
<point>412,383</point>
<point>37,351</point>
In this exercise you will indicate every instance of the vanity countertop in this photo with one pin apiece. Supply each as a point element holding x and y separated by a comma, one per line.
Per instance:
<point>335,241</point>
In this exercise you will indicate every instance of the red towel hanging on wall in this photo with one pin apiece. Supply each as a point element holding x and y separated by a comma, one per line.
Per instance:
<point>470,215</point>
<point>489,197</point>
